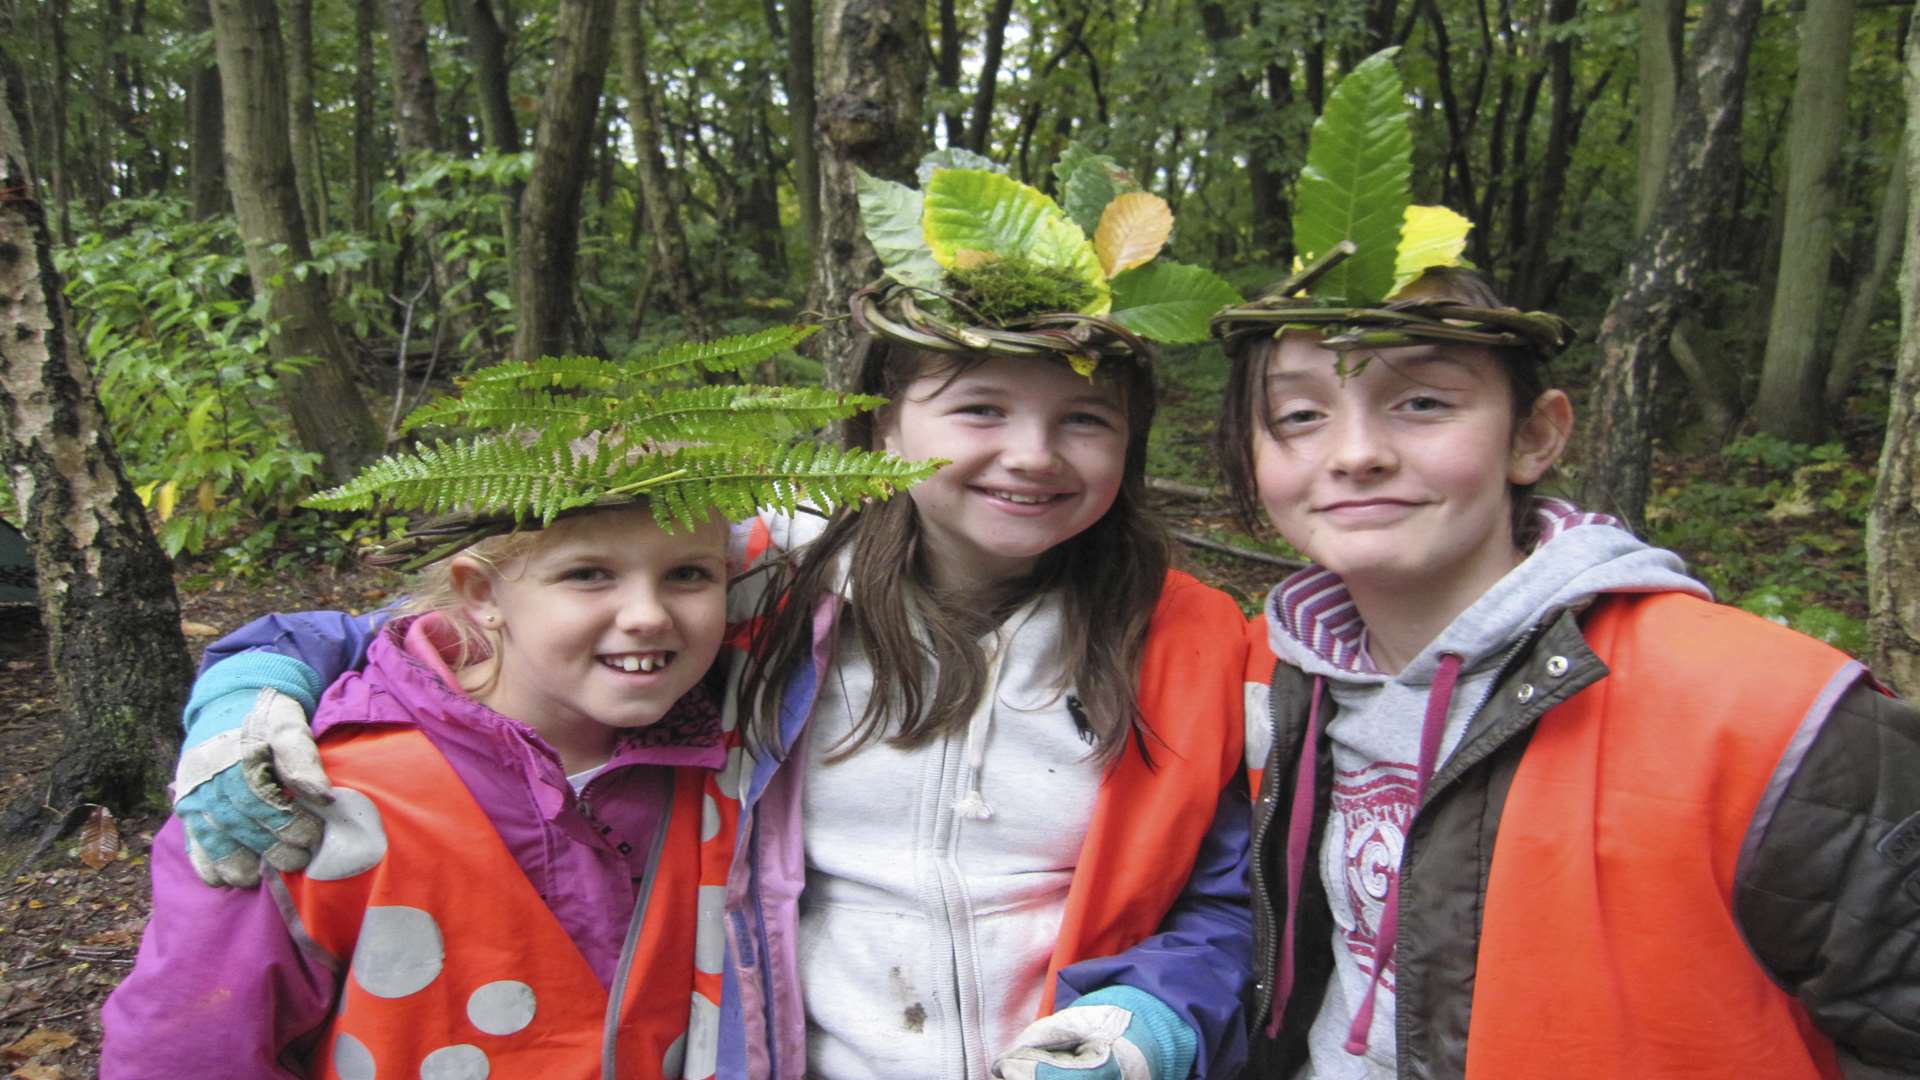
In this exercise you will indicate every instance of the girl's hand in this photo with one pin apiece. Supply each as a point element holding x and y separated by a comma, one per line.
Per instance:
<point>1116,1033</point>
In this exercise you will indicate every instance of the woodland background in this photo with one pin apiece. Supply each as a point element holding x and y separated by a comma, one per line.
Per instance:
<point>240,238</point>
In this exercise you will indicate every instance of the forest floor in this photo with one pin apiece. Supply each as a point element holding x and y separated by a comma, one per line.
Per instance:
<point>69,932</point>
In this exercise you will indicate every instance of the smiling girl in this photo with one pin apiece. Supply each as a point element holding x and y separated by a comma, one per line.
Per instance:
<point>1529,803</point>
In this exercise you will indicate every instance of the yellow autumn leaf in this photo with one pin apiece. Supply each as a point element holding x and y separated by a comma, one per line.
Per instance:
<point>1430,236</point>
<point>206,496</point>
<point>970,259</point>
<point>1133,229</point>
<point>165,499</point>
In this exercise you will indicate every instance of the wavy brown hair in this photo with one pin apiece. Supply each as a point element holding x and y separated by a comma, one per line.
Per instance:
<point>1109,578</point>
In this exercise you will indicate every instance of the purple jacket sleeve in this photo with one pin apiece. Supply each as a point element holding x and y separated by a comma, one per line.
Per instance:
<point>1200,963</point>
<point>332,643</point>
<point>219,990</point>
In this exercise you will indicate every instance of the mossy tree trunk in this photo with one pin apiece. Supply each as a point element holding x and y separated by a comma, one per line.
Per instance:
<point>106,591</point>
<point>873,80</point>
<point>1662,279</point>
<point>672,266</point>
<point>1893,522</point>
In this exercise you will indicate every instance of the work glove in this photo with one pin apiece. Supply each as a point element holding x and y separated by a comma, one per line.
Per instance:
<point>248,755</point>
<point>1115,1033</point>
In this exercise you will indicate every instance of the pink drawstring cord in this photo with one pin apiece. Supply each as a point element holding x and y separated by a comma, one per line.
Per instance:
<point>1299,828</point>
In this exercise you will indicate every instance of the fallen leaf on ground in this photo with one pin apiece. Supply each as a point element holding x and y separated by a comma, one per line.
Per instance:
<point>36,1072</point>
<point>37,1042</point>
<point>198,629</point>
<point>99,838</point>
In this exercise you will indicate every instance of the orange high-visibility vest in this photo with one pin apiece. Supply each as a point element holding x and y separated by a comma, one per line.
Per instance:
<point>458,968</point>
<point>1609,947</point>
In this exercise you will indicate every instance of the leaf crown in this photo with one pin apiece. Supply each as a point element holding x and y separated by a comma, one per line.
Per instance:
<point>1362,241</point>
<point>560,435</point>
<point>977,261</point>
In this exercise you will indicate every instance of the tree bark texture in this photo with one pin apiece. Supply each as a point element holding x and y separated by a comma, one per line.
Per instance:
<point>980,128</point>
<point>303,131</point>
<point>487,48</point>
<point>1662,279</point>
<point>106,591</point>
<point>672,266</point>
<point>550,210</point>
<point>329,416</point>
<point>1661,51</point>
<point>206,175</point>
<point>364,104</point>
<point>1793,375</point>
<point>873,78</point>
<point>1893,522</point>
<point>1531,280</point>
<point>800,112</point>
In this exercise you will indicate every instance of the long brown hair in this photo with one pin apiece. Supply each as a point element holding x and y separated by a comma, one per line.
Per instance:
<point>1109,578</point>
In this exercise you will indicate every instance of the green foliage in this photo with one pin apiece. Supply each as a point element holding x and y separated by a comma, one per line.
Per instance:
<point>181,362</point>
<point>891,214</point>
<point>1778,530</point>
<point>1169,301</point>
<point>1005,289</point>
<point>1088,182</point>
<point>633,432</point>
<point>1356,182</point>
<point>972,210</point>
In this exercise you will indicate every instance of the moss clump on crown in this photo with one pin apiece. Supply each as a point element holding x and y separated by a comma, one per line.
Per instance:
<point>1005,289</point>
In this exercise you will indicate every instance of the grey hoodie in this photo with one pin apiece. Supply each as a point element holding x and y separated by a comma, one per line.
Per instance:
<point>1377,738</point>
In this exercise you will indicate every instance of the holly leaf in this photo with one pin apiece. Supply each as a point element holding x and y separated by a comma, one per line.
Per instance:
<point>1170,301</point>
<point>1088,182</point>
<point>971,210</point>
<point>891,213</point>
<point>955,157</point>
<point>1355,183</point>
<point>1430,236</point>
<point>1133,229</point>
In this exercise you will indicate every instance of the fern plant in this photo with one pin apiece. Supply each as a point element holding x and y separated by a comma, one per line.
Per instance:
<point>563,433</point>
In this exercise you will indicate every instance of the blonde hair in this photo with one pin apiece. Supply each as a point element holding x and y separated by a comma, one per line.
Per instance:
<point>432,592</point>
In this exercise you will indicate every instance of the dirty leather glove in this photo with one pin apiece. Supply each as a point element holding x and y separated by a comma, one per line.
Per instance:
<point>248,754</point>
<point>1114,1033</point>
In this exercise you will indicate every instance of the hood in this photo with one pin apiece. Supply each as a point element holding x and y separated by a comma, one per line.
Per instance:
<point>1312,622</point>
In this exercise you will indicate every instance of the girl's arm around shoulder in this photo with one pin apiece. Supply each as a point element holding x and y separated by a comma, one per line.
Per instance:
<point>220,989</point>
<point>1827,890</point>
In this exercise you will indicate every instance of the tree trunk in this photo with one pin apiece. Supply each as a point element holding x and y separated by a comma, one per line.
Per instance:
<point>1792,377</point>
<point>417,125</point>
<point>303,133</point>
<point>1661,281</point>
<point>543,275</point>
<point>364,104</point>
<point>800,111</point>
<point>947,73</point>
<point>980,131</point>
<point>487,47</point>
<point>329,416</point>
<point>106,591</point>
<point>1661,52</point>
<point>671,265</point>
<point>1850,339</point>
<point>1531,279</point>
<point>206,179</point>
<point>1893,522</point>
<point>873,77</point>
<point>63,178</point>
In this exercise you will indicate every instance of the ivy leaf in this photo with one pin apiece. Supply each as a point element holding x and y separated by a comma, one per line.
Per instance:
<point>1133,229</point>
<point>955,157</point>
<point>1088,182</point>
<point>1170,301</point>
<point>970,210</point>
<point>891,213</point>
<point>1355,184</point>
<point>1431,236</point>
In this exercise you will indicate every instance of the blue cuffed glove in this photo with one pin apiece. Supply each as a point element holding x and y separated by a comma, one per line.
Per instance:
<point>248,755</point>
<point>1114,1033</point>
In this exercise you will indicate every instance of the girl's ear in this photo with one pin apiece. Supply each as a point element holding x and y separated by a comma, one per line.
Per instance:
<point>886,428</point>
<point>1540,439</point>
<point>473,583</point>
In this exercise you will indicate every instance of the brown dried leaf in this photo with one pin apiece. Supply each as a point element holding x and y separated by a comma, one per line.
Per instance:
<point>99,838</point>
<point>1133,229</point>
<point>37,1042</point>
<point>198,629</point>
<point>36,1072</point>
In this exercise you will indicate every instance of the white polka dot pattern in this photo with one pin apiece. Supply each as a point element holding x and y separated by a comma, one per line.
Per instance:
<point>710,947</point>
<point>351,1058</point>
<point>354,841</point>
<point>399,952</point>
<point>458,1062</point>
<point>501,1008</point>
<point>1259,724</point>
<point>703,1039</point>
